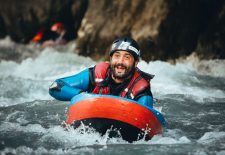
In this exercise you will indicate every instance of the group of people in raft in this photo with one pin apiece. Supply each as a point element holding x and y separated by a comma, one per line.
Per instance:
<point>120,76</point>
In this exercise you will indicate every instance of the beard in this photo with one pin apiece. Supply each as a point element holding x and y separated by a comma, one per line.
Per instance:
<point>121,76</point>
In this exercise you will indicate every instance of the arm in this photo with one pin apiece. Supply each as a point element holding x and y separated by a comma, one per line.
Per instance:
<point>65,88</point>
<point>145,98</point>
<point>146,101</point>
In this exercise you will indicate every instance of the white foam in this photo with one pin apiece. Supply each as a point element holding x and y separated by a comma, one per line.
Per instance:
<point>34,76</point>
<point>181,78</point>
<point>47,65</point>
<point>213,68</point>
<point>6,42</point>
<point>83,136</point>
<point>168,140</point>
<point>7,126</point>
<point>210,137</point>
<point>159,139</point>
<point>42,150</point>
<point>70,138</point>
<point>200,152</point>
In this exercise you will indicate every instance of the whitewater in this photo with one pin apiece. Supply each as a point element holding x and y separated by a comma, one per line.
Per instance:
<point>190,94</point>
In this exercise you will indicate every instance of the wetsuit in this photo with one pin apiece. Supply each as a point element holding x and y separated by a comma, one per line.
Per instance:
<point>66,88</point>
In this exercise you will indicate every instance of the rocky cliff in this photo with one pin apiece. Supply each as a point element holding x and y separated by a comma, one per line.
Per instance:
<point>22,19</point>
<point>164,29</point>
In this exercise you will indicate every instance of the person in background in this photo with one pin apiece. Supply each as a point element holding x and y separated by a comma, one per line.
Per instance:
<point>42,35</point>
<point>38,37</point>
<point>120,76</point>
<point>61,33</point>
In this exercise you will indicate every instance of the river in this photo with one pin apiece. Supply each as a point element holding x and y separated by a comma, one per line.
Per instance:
<point>190,95</point>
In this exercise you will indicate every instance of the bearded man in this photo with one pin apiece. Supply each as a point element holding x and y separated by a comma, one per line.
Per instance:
<point>120,77</point>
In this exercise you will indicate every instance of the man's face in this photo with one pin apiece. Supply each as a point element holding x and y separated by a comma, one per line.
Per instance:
<point>122,63</point>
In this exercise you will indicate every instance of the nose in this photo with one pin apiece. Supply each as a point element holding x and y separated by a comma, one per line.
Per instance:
<point>120,59</point>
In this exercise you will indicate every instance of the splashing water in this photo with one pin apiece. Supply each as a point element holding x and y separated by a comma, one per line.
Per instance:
<point>190,94</point>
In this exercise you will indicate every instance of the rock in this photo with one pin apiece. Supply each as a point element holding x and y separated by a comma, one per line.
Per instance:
<point>2,28</point>
<point>107,20</point>
<point>22,19</point>
<point>164,29</point>
<point>211,42</point>
<point>188,25</point>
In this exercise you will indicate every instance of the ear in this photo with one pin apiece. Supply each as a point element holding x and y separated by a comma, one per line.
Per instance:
<point>136,63</point>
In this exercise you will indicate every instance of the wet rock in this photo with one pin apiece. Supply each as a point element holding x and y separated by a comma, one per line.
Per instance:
<point>211,42</point>
<point>2,28</point>
<point>107,20</point>
<point>22,19</point>
<point>164,29</point>
<point>188,25</point>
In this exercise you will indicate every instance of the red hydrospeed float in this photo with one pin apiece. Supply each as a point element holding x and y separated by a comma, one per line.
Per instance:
<point>102,112</point>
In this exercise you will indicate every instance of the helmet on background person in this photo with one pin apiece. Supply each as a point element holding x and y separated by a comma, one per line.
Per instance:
<point>126,44</point>
<point>57,26</point>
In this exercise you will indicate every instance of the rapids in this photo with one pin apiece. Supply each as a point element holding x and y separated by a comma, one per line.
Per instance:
<point>190,95</point>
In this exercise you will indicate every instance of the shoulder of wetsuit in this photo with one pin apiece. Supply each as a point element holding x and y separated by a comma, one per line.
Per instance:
<point>145,75</point>
<point>145,92</point>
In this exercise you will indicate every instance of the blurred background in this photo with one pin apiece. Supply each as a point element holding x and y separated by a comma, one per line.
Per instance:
<point>164,29</point>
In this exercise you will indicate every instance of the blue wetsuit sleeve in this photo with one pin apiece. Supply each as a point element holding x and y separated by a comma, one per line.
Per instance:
<point>65,88</point>
<point>146,101</point>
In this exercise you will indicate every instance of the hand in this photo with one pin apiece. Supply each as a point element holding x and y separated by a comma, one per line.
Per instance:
<point>55,86</point>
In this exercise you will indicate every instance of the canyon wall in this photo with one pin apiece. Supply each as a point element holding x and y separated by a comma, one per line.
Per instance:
<point>165,29</point>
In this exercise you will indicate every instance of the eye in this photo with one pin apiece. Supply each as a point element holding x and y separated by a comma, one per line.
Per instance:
<point>116,55</point>
<point>127,57</point>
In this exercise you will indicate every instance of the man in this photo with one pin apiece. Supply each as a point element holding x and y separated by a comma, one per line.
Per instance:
<point>119,77</point>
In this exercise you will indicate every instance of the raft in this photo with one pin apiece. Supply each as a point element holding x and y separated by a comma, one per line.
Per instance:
<point>103,112</point>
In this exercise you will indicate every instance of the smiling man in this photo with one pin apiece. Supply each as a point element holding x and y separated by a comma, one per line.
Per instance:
<point>119,77</point>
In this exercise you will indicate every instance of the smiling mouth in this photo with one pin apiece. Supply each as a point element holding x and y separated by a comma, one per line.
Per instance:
<point>120,69</point>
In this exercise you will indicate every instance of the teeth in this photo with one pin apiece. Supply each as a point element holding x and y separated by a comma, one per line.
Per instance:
<point>120,67</point>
